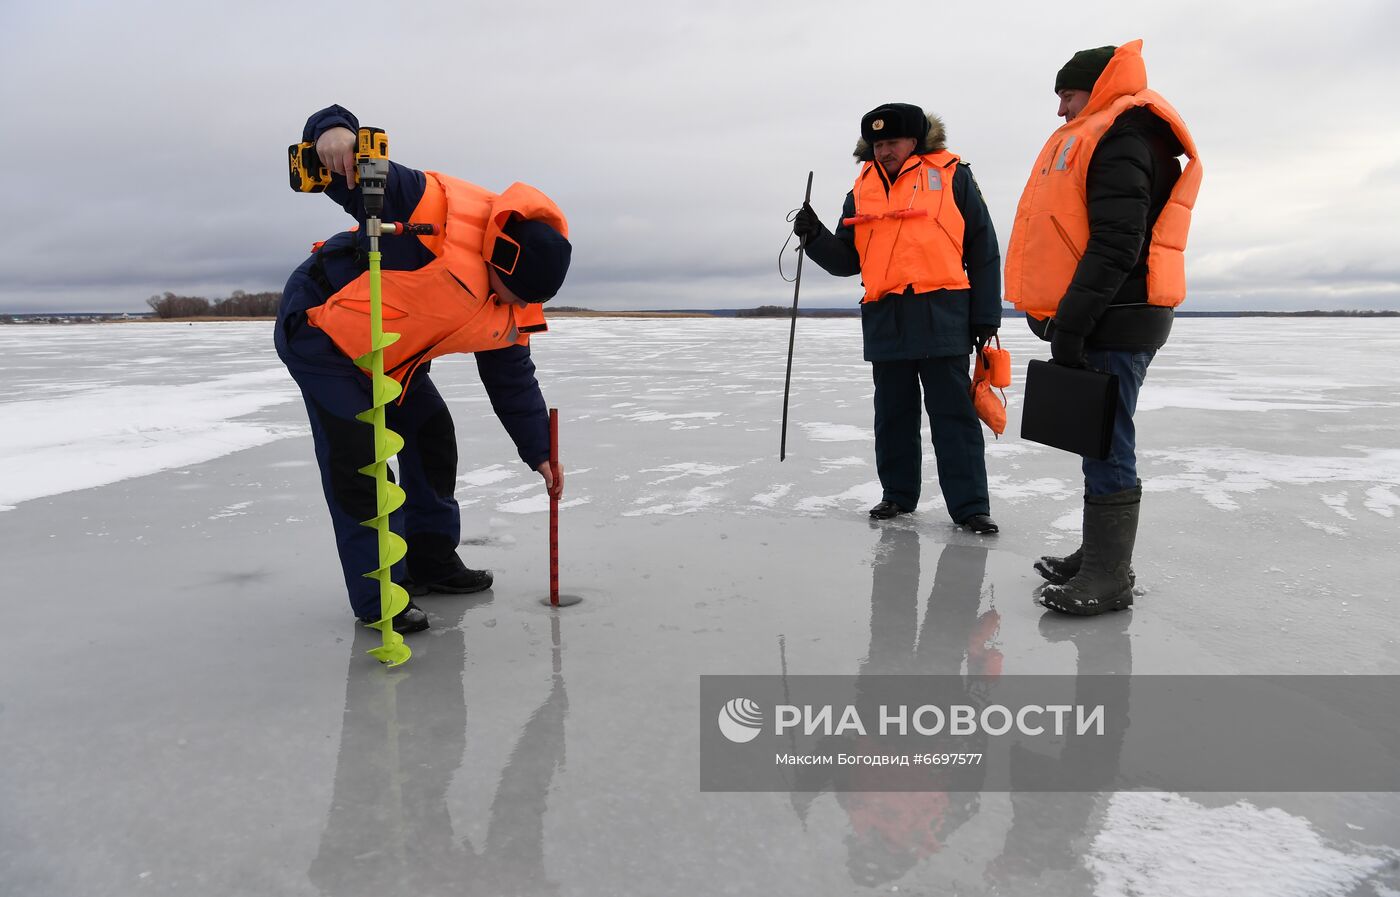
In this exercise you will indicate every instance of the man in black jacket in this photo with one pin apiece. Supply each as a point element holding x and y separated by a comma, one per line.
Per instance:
<point>1105,321</point>
<point>932,272</point>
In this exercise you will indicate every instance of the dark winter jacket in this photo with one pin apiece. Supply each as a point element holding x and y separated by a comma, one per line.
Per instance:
<point>507,374</point>
<point>1130,176</point>
<point>925,325</point>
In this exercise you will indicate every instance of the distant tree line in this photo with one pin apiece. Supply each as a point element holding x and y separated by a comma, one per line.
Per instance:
<point>238,305</point>
<point>780,311</point>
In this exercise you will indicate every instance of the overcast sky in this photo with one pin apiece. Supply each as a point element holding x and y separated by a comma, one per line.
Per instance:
<point>145,145</point>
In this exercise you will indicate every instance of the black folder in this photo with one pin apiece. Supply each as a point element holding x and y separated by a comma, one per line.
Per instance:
<point>1070,408</point>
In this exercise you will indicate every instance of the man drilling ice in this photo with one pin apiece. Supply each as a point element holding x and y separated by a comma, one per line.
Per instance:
<point>463,270</point>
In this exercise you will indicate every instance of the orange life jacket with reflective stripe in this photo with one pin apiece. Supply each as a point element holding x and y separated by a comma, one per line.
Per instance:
<point>900,248</point>
<point>1051,229</point>
<point>447,305</point>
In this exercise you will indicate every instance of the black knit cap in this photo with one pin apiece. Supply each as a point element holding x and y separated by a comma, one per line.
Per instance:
<point>893,121</point>
<point>536,271</point>
<point>1083,69</point>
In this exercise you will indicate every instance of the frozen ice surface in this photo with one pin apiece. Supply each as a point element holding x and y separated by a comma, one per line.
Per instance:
<point>186,706</point>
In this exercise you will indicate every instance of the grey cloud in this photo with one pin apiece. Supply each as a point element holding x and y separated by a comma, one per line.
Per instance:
<point>676,141</point>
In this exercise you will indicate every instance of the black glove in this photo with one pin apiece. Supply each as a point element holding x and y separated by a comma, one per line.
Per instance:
<point>807,225</point>
<point>982,334</point>
<point>1067,349</point>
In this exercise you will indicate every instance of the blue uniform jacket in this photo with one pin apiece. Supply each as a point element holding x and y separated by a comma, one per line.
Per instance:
<point>507,374</point>
<point>926,325</point>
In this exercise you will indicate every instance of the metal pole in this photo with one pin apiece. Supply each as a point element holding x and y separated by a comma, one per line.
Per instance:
<point>554,508</point>
<point>555,600</point>
<point>792,330</point>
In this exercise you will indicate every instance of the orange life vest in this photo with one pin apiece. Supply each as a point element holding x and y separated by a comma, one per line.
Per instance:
<point>447,305</point>
<point>1051,229</point>
<point>899,249</point>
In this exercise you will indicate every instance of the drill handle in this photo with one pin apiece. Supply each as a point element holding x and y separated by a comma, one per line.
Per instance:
<point>400,227</point>
<point>308,175</point>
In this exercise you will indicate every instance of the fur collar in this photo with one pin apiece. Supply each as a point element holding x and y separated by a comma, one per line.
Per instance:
<point>935,141</point>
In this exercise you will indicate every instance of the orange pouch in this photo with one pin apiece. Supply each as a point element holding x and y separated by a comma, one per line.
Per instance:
<point>990,409</point>
<point>997,364</point>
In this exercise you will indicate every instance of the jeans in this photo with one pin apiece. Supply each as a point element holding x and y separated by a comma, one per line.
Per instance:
<point>1118,471</point>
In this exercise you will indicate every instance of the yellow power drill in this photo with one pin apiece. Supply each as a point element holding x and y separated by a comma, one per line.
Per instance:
<point>308,175</point>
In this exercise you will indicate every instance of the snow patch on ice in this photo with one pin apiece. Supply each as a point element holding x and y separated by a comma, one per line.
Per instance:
<point>830,464</point>
<point>770,498</point>
<point>687,469</point>
<point>1338,503</point>
<point>1328,528</point>
<point>72,442</point>
<point>1197,399</point>
<point>864,492</point>
<point>694,500</point>
<point>828,432</point>
<point>234,510</point>
<point>1217,473</point>
<point>1216,494</point>
<point>1070,521</point>
<point>485,476</point>
<point>1165,845</point>
<point>1266,467</point>
<point>1382,501</point>
<point>1003,488</point>
<point>648,417</point>
<point>536,504</point>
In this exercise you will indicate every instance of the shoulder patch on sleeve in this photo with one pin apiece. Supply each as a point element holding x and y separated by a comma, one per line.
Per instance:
<point>967,169</point>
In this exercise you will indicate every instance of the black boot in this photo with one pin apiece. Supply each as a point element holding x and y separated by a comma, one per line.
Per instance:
<point>887,509</point>
<point>463,582</point>
<point>410,619</point>
<point>1104,581</point>
<point>1060,570</point>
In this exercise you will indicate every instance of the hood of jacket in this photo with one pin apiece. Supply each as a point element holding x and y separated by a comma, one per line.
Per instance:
<point>1124,76</point>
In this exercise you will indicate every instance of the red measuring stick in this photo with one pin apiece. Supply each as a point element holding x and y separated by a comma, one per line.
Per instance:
<point>554,508</point>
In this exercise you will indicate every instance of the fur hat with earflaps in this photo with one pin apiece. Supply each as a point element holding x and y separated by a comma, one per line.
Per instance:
<point>892,121</point>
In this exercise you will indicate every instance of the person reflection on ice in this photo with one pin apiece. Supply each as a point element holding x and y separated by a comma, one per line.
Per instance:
<point>892,830</point>
<point>390,825</point>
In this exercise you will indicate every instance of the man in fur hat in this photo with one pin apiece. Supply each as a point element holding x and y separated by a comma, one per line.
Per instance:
<point>915,227</point>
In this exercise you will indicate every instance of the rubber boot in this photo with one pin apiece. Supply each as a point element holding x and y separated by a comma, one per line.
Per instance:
<point>1061,570</point>
<point>1104,581</point>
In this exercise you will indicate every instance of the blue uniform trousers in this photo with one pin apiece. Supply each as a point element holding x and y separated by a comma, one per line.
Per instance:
<point>335,390</point>
<point>956,430</point>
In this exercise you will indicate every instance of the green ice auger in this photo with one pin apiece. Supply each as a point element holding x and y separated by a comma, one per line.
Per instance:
<point>372,163</point>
